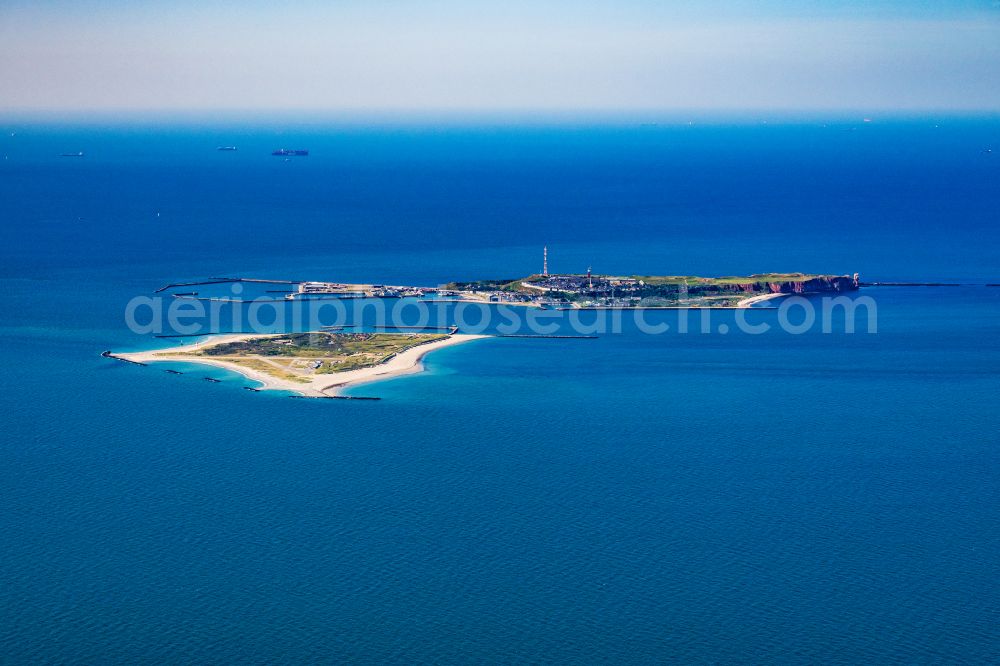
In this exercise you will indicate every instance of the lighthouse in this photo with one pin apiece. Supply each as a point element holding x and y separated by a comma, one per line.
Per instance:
<point>545,260</point>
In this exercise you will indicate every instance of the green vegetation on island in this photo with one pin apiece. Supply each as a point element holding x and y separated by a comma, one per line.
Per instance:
<point>288,356</point>
<point>756,279</point>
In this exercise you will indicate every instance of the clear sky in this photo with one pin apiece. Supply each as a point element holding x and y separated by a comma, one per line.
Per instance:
<point>474,55</point>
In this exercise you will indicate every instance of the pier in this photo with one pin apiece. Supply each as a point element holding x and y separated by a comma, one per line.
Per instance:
<point>450,330</point>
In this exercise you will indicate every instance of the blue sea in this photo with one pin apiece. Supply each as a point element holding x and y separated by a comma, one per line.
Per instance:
<point>708,497</point>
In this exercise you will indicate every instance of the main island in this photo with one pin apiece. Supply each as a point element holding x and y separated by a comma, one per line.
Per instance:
<point>574,291</point>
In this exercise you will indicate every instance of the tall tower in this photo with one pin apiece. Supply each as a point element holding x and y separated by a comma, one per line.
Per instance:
<point>545,260</point>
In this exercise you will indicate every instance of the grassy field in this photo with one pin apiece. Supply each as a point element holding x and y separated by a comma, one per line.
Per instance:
<point>295,355</point>
<point>262,366</point>
<point>694,280</point>
<point>651,280</point>
<point>508,284</point>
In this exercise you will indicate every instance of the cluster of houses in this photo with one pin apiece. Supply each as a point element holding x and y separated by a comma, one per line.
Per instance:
<point>593,285</point>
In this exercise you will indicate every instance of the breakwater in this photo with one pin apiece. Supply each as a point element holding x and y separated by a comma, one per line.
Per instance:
<point>109,354</point>
<point>222,280</point>
<point>555,337</point>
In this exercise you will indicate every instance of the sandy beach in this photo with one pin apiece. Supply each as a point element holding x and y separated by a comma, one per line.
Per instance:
<point>317,386</point>
<point>747,302</point>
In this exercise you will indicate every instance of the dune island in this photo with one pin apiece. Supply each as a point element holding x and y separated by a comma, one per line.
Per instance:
<point>318,364</point>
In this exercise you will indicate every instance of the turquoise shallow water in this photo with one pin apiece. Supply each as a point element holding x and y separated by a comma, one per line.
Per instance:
<point>723,498</point>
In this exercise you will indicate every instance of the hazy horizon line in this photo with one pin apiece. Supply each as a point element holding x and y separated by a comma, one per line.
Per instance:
<point>403,115</point>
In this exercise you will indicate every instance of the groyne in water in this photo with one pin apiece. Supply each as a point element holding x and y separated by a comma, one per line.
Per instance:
<point>109,354</point>
<point>911,284</point>
<point>217,299</point>
<point>591,308</point>
<point>556,337</point>
<point>203,335</point>
<point>334,397</point>
<point>223,280</point>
